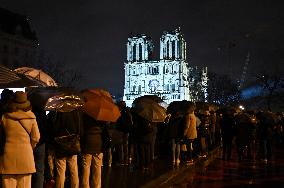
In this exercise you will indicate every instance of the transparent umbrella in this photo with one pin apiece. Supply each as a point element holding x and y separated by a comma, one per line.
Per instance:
<point>37,75</point>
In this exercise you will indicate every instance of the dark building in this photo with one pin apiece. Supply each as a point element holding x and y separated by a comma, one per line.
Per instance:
<point>18,43</point>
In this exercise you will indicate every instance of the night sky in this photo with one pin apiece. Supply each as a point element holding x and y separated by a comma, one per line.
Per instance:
<point>91,35</point>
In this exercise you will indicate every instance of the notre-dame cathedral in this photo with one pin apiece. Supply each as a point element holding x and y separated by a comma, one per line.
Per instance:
<point>171,77</point>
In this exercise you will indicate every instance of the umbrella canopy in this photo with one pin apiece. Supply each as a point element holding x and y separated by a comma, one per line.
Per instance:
<point>149,97</point>
<point>181,106</point>
<point>65,102</point>
<point>37,75</point>
<point>269,118</point>
<point>11,79</point>
<point>99,105</point>
<point>150,110</point>
<point>243,118</point>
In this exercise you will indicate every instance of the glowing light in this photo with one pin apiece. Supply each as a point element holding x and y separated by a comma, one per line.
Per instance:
<point>241,107</point>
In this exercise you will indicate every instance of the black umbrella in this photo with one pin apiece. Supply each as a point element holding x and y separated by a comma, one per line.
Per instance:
<point>149,110</point>
<point>148,98</point>
<point>183,106</point>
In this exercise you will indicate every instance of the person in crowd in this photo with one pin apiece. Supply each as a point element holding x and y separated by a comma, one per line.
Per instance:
<point>153,150</point>
<point>143,135</point>
<point>39,150</point>
<point>124,124</point>
<point>265,133</point>
<point>113,140</point>
<point>6,96</point>
<point>242,134</point>
<point>64,124</point>
<point>190,133</point>
<point>203,131</point>
<point>252,134</point>
<point>175,135</point>
<point>228,132</point>
<point>218,135</point>
<point>22,135</point>
<point>212,129</point>
<point>92,152</point>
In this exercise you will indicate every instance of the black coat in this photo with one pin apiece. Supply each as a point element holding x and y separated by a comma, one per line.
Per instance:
<point>64,124</point>
<point>92,139</point>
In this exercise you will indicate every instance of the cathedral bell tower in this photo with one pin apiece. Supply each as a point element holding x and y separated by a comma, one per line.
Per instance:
<point>172,46</point>
<point>139,48</point>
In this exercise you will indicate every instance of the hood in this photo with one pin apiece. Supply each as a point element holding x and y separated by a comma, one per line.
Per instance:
<point>18,115</point>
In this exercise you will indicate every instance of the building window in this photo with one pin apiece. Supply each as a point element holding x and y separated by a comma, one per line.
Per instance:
<point>173,87</point>
<point>155,70</point>
<point>134,52</point>
<point>149,70</point>
<point>168,50</point>
<point>173,49</point>
<point>140,52</point>
<point>139,89</point>
<point>167,87</point>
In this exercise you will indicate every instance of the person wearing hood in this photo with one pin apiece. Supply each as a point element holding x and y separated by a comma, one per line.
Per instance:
<point>22,134</point>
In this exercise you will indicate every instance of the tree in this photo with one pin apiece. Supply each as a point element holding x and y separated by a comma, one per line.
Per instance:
<point>222,89</point>
<point>65,77</point>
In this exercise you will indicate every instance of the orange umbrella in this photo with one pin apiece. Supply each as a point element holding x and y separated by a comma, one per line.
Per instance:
<point>99,105</point>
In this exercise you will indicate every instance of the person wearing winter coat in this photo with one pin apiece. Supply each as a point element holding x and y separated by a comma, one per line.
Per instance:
<point>228,124</point>
<point>124,125</point>
<point>92,152</point>
<point>22,134</point>
<point>190,133</point>
<point>175,135</point>
<point>64,124</point>
<point>143,134</point>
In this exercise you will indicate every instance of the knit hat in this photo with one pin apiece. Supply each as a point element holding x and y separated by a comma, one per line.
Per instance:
<point>20,102</point>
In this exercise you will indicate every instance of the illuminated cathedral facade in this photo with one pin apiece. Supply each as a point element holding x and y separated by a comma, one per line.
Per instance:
<point>170,77</point>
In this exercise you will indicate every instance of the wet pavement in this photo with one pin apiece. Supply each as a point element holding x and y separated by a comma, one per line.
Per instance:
<point>206,172</point>
<point>159,173</point>
<point>219,173</point>
<point>129,176</point>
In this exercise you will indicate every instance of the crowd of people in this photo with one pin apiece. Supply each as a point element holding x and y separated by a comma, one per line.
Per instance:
<point>32,154</point>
